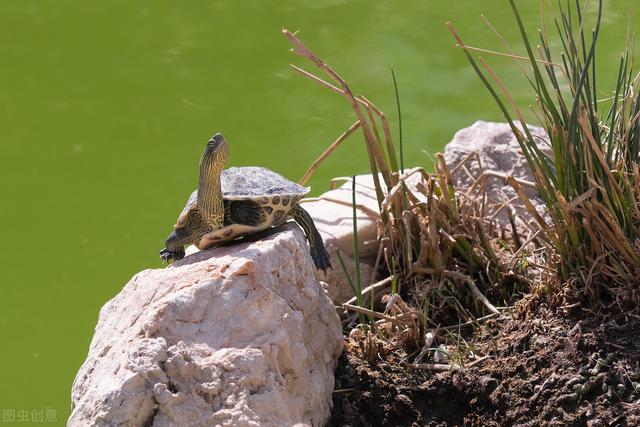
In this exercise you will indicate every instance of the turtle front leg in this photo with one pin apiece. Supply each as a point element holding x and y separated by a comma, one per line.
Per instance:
<point>319,253</point>
<point>174,249</point>
<point>169,255</point>
<point>187,233</point>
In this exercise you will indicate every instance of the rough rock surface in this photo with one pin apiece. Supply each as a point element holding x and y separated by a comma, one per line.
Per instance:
<point>241,335</point>
<point>498,151</point>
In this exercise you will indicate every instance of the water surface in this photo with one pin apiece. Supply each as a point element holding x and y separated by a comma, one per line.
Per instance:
<point>106,106</point>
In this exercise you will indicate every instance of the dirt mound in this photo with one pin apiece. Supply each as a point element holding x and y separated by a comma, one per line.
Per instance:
<point>546,370</point>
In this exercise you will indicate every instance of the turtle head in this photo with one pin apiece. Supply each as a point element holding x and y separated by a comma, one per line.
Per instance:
<point>215,155</point>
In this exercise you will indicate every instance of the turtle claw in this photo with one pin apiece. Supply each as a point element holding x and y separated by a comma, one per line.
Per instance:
<point>321,259</point>
<point>167,255</point>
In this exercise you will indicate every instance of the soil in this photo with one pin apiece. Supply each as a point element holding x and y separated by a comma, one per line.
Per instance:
<point>544,370</point>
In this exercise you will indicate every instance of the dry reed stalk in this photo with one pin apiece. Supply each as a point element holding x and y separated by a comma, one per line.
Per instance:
<point>428,230</point>
<point>375,152</point>
<point>590,186</point>
<point>326,153</point>
<point>374,287</point>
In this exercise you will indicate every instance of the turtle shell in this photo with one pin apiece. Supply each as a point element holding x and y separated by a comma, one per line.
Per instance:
<point>275,194</point>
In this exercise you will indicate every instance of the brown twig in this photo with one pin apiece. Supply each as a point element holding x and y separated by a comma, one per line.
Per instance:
<point>378,285</point>
<point>328,152</point>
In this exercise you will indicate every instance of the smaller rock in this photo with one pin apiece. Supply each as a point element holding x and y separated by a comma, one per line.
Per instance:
<point>498,150</point>
<point>404,399</point>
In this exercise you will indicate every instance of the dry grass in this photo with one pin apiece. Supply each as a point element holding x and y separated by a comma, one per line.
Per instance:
<point>445,264</point>
<point>591,184</point>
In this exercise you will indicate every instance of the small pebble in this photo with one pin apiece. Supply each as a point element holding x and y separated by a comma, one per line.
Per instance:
<point>573,381</point>
<point>568,398</point>
<point>589,412</point>
<point>404,399</point>
<point>540,341</point>
<point>609,394</point>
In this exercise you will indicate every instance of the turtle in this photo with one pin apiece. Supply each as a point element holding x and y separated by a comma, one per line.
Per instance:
<point>232,203</point>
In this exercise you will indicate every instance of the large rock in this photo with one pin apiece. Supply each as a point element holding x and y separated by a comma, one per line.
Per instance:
<point>241,335</point>
<point>498,151</point>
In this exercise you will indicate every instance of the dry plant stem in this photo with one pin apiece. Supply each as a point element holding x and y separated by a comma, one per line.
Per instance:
<point>399,186</point>
<point>371,313</point>
<point>475,155</point>
<point>511,54</point>
<point>387,132</point>
<point>391,303</point>
<point>370,212</point>
<point>328,152</point>
<point>379,256</point>
<point>505,205</point>
<point>493,174</point>
<point>432,366</point>
<point>521,248</point>
<point>336,181</point>
<point>516,57</point>
<point>527,202</point>
<point>407,318</point>
<point>374,150</point>
<point>514,229</point>
<point>461,277</point>
<point>363,101</point>
<point>366,291</point>
<point>476,362</point>
<point>322,82</point>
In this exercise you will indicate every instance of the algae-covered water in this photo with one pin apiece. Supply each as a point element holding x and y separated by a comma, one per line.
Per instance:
<point>106,106</point>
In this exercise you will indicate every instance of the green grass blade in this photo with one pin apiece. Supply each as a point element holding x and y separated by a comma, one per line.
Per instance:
<point>395,87</point>
<point>356,246</point>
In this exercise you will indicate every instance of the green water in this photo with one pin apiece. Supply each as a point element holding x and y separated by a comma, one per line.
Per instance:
<point>105,108</point>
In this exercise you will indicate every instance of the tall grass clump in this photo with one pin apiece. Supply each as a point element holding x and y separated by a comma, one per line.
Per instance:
<point>434,241</point>
<point>591,181</point>
<point>442,265</point>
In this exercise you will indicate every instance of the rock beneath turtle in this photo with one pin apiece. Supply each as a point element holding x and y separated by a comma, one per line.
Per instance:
<point>242,335</point>
<point>498,151</point>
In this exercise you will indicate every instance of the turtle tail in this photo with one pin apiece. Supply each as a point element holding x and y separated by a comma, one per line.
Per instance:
<point>316,245</point>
